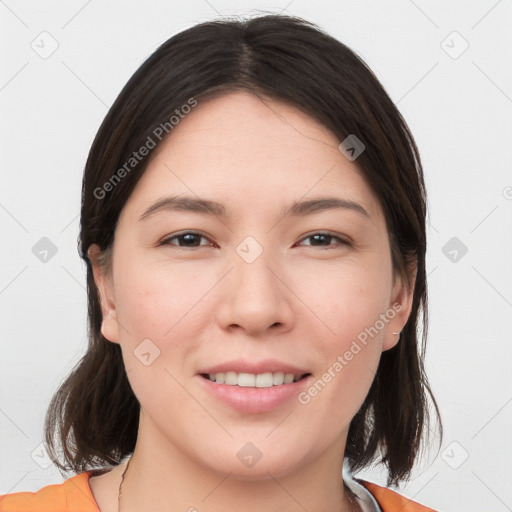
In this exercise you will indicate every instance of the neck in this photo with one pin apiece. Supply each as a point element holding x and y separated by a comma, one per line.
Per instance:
<point>178,482</point>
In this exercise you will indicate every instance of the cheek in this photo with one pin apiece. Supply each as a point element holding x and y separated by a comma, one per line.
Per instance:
<point>158,300</point>
<point>348,298</point>
<point>349,302</point>
<point>155,305</point>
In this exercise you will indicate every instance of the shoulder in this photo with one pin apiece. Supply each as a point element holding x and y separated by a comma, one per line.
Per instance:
<point>72,495</point>
<point>391,501</point>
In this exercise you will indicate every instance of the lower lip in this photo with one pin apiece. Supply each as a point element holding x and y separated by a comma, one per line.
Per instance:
<point>255,400</point>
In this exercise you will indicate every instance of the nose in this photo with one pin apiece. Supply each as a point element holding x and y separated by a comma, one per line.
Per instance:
<point>255,298</point>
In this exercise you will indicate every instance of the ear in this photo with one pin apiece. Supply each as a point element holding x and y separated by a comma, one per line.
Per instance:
<point>401,304</point>
<point>103,280</point>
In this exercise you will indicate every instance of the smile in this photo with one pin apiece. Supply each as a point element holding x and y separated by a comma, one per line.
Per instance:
<point>252,380</point>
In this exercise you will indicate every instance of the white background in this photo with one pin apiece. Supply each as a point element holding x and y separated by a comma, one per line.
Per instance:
<point>459,110</point>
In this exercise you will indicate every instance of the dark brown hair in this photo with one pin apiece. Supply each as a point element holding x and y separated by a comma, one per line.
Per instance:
<point>92,420</point>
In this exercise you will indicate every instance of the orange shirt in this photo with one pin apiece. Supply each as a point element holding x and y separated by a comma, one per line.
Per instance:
<point>75,495</point>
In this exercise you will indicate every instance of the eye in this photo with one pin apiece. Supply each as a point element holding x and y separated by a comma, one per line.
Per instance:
<point>192,239</point>
<point>186,239</point>
<point>324,240</point>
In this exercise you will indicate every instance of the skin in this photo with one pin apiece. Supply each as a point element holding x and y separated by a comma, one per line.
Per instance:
<point>202,304</point>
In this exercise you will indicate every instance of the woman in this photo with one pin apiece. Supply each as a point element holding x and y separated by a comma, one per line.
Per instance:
<point>253,221</point>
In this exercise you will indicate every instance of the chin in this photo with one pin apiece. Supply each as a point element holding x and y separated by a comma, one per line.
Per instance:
<point>252,464</point>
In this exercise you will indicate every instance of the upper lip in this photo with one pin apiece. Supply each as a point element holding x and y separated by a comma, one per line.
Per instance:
<point>256,367</point>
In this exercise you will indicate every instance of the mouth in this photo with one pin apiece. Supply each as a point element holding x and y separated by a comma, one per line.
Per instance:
<point>255,393</point>
<point>253,380</point>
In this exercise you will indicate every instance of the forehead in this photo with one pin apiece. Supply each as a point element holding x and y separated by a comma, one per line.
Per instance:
<point>241,120</point>
<point>245,151</point>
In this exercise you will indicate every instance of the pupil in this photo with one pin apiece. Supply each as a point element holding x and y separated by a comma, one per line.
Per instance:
<point>189,238</point>
<point>324,237</point>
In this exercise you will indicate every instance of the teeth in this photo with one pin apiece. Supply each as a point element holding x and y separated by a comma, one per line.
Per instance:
<point>250,380</point>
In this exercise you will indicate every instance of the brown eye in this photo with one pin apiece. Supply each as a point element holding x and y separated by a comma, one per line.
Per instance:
<point>324,240</point>
<point>187,239</point>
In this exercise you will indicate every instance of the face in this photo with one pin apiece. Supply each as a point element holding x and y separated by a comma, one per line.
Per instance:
<point>250,289</point>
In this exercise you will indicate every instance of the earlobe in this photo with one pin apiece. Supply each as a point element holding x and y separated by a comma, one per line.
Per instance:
<point>103,280</point>
<point>401,305</point>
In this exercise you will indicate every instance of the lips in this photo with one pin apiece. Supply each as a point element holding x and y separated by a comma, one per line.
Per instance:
<point>254,400</point>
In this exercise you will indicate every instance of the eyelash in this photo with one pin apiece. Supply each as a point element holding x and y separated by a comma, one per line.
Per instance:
<point>342,241</point>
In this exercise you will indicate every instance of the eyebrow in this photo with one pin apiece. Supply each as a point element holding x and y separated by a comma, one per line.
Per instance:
<point>207,207</point>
